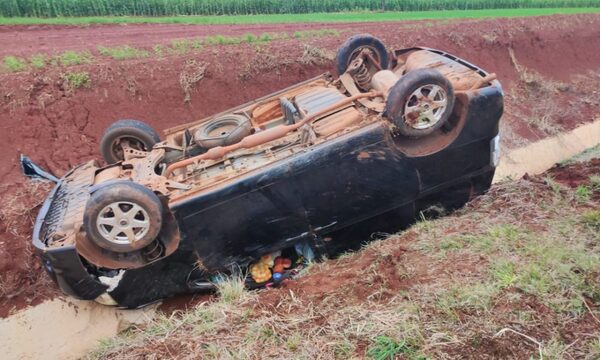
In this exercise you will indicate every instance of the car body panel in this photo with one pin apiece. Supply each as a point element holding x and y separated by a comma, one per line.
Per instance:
<point>237,224</point>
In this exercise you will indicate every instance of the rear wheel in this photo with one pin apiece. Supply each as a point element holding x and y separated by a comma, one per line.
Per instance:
<point>123,217</point>
<point>374,48</point>
<point>420,102</point>
<point>131,133</point>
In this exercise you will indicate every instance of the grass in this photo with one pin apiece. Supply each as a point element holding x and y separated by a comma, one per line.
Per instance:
<point>583,193</point>
<point>14,64</point>
<point>542,264</point>
<point>595,183</point>
<point>123,52</point>
<point>205,318</point>
<point>299,18</point>
<point>76,80</point>
<point>181,46</point>
<point>386,348</point>
<point>592,219</point>
<point>70,58</point>
<point>231,289</point>
<point>38,61</point>
<point>228,7</point>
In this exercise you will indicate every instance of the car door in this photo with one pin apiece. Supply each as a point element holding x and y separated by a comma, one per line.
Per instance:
<point>356,177</point>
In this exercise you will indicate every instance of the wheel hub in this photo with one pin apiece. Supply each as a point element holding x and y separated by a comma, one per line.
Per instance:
<point>123,222</point>
<point>425,106</point>
<point>120,144</point>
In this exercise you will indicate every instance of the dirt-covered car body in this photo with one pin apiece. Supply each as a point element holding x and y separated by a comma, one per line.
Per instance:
<point>347,172</point>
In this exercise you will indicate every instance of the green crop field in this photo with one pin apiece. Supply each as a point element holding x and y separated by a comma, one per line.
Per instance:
<point>70,8</point>
<point>298,18</point>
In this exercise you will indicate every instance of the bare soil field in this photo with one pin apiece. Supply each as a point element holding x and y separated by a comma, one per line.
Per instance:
<point>548,66</point>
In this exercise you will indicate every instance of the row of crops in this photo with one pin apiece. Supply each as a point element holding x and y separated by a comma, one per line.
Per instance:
<point>56,8</point>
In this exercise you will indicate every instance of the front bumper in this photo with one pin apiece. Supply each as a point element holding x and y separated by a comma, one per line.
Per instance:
<point>63,263</point>
<point>56,228</point>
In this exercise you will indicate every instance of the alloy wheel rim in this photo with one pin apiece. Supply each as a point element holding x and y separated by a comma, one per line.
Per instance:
<point>425,106</point>
<point>123,222</point>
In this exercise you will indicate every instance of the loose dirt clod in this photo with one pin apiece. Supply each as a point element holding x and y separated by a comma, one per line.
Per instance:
<point>191,74</point>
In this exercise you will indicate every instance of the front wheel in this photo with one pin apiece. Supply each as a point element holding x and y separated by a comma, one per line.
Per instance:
<point>420,102</point>
<point>123,217</point>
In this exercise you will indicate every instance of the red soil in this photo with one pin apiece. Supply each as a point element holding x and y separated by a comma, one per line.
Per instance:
<point>59,128</point>
<point>578,174</point>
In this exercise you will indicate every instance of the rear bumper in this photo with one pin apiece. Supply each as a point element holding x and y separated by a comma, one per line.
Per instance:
<point>63,264</point>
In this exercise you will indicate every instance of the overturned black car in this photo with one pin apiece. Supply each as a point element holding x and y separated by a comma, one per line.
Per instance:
<point>309,171</point>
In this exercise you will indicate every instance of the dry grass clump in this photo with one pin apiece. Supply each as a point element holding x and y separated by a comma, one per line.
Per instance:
<point>190,75</point>
<point>541,92</point>
<point>456,38</point>
<point>522,259</point>
<point>263,61</point>
<point>266,60</point>
<point>587,87</point>
<point>313,55</point>
<point>20,206</point>
<point>231,289</point>
<point>17,215</point>
<point>551,104</point>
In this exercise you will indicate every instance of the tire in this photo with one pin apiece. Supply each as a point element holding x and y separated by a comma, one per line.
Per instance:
<point>350,49</point>
<point>426,117</point>
<point>116,232</point>
<point>140,135</point>
<point>223,131</point>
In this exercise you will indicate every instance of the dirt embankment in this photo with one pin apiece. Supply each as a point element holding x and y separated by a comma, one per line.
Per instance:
<point>550,82</point>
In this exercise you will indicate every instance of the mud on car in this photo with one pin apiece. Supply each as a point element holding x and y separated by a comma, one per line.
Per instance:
<point>305,172</point>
